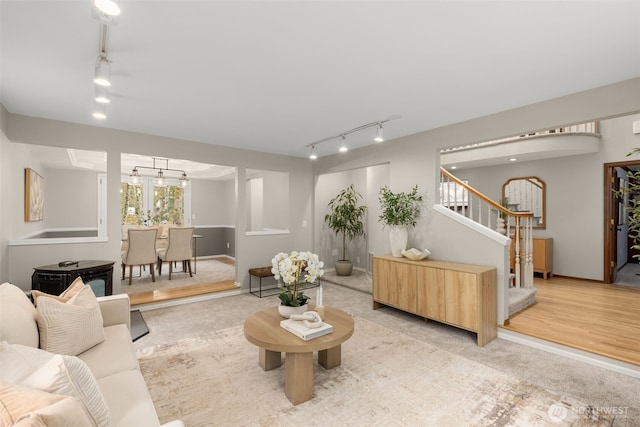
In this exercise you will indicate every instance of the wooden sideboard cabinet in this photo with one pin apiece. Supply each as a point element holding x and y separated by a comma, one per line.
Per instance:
<point>461,295</point>
<point>542,256</point>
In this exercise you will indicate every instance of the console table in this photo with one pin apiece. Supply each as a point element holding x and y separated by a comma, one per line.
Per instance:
<point>54,279</point>
<point>460,295</point>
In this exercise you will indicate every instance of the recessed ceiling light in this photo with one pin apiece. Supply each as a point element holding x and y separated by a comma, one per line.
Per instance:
<point>454,167</point>
<point>513,159</point>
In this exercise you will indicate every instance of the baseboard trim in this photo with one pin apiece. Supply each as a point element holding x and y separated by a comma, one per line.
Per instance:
<point>571,353</point>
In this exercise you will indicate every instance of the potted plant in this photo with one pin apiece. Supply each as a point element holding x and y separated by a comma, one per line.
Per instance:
<point>346,218</point>
<point>293,270</point>
<point>399,211</point>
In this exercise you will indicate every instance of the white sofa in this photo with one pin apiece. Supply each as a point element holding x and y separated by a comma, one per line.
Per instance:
<point>112,363</point>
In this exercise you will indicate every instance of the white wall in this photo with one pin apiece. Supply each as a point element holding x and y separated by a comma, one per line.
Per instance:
<point>70,198</point>
<point>5,182</point>
<point>212,202</point>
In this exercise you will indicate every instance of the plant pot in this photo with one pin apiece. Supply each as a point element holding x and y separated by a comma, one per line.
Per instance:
<point>398,237</point>
<point>286,310</point>
<point>344,267</point>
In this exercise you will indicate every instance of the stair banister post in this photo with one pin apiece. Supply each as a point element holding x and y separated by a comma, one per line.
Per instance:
<point>517,252</point>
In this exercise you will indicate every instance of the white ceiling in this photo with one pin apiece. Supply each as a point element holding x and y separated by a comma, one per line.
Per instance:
<point>277,76</point>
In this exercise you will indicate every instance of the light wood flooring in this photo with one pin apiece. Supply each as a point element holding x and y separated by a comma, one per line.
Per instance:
<point>184,291</point>
<point>590,316</point>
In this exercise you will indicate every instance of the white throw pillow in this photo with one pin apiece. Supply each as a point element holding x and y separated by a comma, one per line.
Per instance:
<point>22,406</point>
<point>17,361</point>
<point>70,327</point>
<point>70,376</point>
<point>17,317</point>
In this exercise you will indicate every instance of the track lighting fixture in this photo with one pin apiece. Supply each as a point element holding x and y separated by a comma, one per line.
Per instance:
<point>100,111</point>
<point>102,94</point>
<point>160,180</point>
<point>103,71</point>
<point>379,137</point>
<point>343,146</point>
<point>109,7</point>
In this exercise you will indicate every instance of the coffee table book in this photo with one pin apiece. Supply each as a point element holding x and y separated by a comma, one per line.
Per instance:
<point>298,328</point>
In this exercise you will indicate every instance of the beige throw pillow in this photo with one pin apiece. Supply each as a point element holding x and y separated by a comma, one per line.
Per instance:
<point>22,406</point>
<point>70,376</point>
<point>65,296</point>
<point>70,327</point>
<point>17,361</point>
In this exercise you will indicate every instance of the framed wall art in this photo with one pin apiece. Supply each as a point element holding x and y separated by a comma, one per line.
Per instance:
<point>33,196</point>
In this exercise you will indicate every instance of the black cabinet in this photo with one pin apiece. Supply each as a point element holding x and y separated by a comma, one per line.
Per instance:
<point>54,279</point>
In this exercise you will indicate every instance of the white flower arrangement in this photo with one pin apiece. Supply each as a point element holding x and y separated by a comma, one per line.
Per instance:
<point>290,269</point>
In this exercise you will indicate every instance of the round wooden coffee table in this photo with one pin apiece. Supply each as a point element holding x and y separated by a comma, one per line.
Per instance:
<point>263,329</point>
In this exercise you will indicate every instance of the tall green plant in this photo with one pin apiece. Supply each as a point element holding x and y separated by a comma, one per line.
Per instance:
<point>633,208</point>
<point>400,208</point>
<point>346,216</point>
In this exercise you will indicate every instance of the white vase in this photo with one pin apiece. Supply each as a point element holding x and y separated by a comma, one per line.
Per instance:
<point>398,237</point>
<point>286,311</point>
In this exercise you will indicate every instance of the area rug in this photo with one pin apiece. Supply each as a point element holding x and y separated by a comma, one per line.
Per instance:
<point>386,379</point>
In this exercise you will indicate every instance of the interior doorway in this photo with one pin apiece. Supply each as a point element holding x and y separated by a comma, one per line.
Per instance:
<point>620,266</point>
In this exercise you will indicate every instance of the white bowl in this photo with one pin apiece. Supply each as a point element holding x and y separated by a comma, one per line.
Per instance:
<point>416,254</point>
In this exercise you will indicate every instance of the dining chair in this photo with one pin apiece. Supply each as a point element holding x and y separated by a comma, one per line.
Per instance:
<point>141,250</point>
<point>178,249</point>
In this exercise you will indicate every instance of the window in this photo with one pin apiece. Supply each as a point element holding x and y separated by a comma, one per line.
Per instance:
<point>147,203</point>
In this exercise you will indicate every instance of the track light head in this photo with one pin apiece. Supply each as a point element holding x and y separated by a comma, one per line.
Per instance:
<point>343,146</point>
<point>102,94</point>
<point>109,7</point>
<point>100,111</point>
<point>103,72</point>
<point>313,155</point>
<point>379,137</point>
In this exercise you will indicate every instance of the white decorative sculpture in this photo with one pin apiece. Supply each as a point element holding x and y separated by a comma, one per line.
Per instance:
<point>311,319</point>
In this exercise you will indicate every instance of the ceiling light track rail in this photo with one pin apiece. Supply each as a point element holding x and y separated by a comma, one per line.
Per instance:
<point>342,136</point>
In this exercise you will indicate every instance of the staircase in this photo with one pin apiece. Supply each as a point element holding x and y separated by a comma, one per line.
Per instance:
<point>467,201</point>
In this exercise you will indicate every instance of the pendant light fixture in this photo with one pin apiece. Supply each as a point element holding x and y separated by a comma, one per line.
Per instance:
<point>134,176</point>
<point>160,180</point>
<point>184,181</point>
